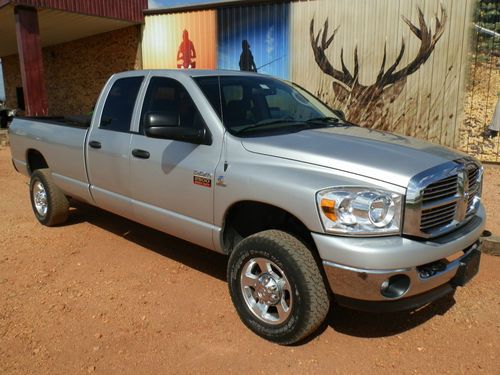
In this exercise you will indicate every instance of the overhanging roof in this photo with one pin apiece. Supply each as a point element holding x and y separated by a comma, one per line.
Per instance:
<point>125,10</point>
<point>55,27</point>
<point>62,21</point>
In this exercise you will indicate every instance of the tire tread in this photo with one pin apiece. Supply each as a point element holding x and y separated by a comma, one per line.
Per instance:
<point>319,301</point>
<point>58,210</point>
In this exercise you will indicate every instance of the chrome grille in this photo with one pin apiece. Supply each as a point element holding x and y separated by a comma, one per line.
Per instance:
<point>437,216</point>
<point>442,198</point>
<point>473,174</point>
<point>447,187</point>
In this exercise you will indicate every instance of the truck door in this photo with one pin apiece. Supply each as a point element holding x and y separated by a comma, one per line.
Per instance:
<point>108,146</point>
<point>172,181</point>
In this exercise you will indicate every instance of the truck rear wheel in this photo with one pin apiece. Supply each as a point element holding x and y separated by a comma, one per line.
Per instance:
<point>277,287</point>
<point>50,205</point>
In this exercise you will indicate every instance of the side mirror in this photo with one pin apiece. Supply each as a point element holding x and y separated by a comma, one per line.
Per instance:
<point>161,119</point>
<point>165,126</point>
<point>340,114</point>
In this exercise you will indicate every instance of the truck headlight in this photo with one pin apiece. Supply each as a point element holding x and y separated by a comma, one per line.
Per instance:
<point>360,211</point>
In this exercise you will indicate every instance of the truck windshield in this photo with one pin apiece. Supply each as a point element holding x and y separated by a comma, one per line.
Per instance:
<point>256,104</point>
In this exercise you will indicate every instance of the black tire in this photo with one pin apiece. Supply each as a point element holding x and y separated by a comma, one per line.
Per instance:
<point>311,301</point>
<point>57,205</point>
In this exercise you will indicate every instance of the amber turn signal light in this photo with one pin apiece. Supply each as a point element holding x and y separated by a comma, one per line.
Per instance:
<point>328,207</point>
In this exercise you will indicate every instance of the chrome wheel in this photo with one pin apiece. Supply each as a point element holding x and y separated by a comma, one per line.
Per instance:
<point>266,290</point>
<point>40,198</point>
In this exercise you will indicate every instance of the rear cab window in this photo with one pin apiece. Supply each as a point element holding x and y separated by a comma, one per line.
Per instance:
<point>119,106</point>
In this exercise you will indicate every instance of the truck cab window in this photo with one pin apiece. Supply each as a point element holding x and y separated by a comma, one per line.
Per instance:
<point>166,96</point>
<point>119,106</point>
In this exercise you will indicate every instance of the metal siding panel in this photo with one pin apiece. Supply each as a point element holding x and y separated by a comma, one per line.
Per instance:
<point>162,38</point>
<point>263,26</point>
<point>430,103</point>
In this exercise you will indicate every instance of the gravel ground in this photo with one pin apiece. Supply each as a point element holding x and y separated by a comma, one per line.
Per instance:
<point>105,295</point>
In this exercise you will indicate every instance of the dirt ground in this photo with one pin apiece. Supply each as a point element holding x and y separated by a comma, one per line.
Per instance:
<point>105,295</point>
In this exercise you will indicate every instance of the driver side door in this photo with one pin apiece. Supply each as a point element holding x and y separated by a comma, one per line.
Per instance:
<point>172,181</point>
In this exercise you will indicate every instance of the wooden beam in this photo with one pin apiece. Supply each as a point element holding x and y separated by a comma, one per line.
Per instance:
<point>31,61</point>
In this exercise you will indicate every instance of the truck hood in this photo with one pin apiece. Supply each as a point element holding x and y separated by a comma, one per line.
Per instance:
<point>383,156</point>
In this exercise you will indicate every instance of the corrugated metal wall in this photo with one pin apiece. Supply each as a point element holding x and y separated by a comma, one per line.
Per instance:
<point>163,40</point>
<point>427,102</point>
<point>266,29</point>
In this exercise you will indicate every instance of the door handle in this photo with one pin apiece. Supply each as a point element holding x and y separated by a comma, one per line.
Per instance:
<point>95,144</point>
<point>142,154</point>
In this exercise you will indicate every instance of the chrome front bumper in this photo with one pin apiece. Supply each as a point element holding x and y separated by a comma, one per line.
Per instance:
<point>361,268</point>
<point>368,285</point>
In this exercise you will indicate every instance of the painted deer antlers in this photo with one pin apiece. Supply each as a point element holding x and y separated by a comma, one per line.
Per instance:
<point>384,78</point>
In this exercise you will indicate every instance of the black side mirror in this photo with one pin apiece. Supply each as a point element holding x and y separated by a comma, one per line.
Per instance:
<point>161,119</point>
<point>166,126</point>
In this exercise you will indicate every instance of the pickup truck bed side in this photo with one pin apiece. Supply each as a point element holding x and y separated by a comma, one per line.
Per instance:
<point>62,148</point>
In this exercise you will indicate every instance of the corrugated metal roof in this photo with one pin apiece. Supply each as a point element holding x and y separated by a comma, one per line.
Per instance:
<point>206,4</point>
<point>55,27</point>
<point>126,10</point>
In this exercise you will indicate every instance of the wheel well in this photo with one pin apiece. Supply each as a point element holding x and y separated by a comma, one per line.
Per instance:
<point>246,218</point>
<point>35,161</point>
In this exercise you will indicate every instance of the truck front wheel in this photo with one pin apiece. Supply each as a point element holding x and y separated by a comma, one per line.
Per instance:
<point>50,205</point>
<point>277,287</point>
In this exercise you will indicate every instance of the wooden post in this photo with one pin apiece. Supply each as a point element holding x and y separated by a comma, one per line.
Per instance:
<point>31,61</point>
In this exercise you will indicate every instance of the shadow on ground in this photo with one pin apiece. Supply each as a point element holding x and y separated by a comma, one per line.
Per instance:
<point>193,256</point>
<point>365,324</point>
<point>341,319</point>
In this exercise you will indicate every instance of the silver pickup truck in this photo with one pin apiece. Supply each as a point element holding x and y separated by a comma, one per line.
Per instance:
<point>310,208</point>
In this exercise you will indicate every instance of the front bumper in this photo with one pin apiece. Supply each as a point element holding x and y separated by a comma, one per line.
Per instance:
<point>396,272</point>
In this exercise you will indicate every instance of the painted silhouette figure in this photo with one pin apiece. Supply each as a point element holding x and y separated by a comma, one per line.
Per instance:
<point>246,58</point>
<point>186,53</point>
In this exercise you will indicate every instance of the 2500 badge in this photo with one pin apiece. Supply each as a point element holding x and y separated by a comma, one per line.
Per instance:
<point>202,178</point>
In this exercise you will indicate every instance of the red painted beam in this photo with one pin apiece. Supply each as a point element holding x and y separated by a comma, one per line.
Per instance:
<point>31,60</point>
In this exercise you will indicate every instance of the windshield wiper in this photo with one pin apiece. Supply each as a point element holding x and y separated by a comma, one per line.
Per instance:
<point>297,124</point>
<point>265,124</point>
<point>329,120</point>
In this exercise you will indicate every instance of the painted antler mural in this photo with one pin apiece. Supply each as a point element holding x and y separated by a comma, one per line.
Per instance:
<point>368,105</point>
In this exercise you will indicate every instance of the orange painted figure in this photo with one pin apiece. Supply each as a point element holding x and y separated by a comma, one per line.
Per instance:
<point>186,53</point>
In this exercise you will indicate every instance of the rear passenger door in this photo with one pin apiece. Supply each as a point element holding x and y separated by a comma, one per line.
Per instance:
<point>108,145</point>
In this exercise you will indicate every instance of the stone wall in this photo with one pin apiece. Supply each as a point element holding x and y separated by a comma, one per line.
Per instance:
<point>76,71</point>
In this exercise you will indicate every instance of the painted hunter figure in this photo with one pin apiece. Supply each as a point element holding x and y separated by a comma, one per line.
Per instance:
<point>186,53</point>
<point>246,58</point>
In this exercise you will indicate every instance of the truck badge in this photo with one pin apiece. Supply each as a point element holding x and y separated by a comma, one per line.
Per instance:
<point>202,178</point>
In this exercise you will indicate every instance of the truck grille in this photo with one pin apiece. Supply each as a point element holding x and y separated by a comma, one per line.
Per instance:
<point>473,173</point>
<point>444,188</point>
<point>443,198</point>
<point>437,216</point>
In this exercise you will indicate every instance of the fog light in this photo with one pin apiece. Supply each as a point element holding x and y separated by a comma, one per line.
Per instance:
<point>395,286</point>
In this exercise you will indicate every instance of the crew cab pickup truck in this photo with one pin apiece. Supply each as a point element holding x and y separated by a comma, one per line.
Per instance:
<point>310,208</point>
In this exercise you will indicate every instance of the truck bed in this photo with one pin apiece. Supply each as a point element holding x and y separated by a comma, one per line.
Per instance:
<point>61,141</point>
<point>76,121</point>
